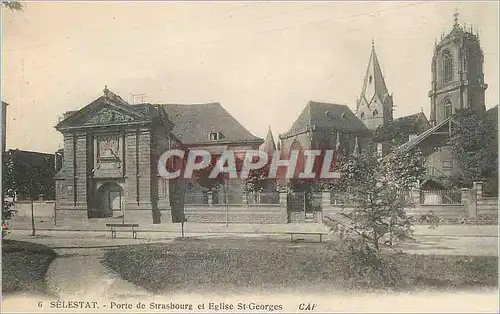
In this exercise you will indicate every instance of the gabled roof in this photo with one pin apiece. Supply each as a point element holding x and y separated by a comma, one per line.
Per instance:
<point>374,82</point>
<point>327,116</point>
<point>409,122</point>
<point>193,124</point>
<point>422,136</point>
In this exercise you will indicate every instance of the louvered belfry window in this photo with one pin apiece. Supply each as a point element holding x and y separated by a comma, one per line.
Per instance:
<point>447,66</point>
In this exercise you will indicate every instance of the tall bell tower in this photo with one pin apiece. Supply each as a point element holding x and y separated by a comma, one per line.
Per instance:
<point>374,106</point>
<point>457,74</point>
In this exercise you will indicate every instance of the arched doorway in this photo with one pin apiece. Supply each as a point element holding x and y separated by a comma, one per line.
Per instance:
<point>109,200</point>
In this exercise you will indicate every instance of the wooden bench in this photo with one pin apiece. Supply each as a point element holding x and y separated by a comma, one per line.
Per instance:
<point>320,234</point>
<point>115,226</point>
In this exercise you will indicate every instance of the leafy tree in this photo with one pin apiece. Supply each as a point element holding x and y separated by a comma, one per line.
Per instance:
<point>474,144</point>
<point>13,5</point>
<point>258,180</point>
<point>374,190</point>
<point>29,175</point>
<point>202,178</point>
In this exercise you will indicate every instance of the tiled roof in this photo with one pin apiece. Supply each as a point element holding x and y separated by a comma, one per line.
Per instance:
<point>422,136</point>
<point>327,116</point>
<point>193,123</point>
<point>408,123</point>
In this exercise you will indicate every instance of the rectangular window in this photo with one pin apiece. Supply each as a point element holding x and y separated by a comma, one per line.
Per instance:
<point>214,136</point>
<point>162,188</point>
<point>447,164</point>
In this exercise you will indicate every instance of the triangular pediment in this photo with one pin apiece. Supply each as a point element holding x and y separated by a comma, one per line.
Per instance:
<point>107,115</point>
<point>103,112</point>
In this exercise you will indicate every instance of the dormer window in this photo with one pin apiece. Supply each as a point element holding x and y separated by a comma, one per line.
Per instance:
<point>215,136</point>
<point>375,112</point>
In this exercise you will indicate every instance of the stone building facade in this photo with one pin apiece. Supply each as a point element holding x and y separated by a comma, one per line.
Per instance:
<point>111,152</point>
<point>457,84</point>
<point>457,74</point>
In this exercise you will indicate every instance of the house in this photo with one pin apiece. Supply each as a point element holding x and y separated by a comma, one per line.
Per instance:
<point>111,151</point>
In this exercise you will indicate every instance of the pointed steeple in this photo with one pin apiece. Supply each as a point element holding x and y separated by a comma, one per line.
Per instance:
<point>269,146</point>
<point>374,82</point>
<point>455,19</point>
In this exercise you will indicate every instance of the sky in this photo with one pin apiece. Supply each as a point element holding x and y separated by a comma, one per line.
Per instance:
<point>263,61</point>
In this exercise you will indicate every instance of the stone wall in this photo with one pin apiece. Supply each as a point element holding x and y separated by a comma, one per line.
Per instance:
<point>260,214</point>
<point>241,213</point>
<point>473,209</point>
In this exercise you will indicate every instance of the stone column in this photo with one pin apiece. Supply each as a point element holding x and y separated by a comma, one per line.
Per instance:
<point>465,196</point>
<point>244,198</point>
<point>478,187</point>
<point>283,205</point>
<point>210,199</point>
<point>472,203</point>
<point>326,200</point>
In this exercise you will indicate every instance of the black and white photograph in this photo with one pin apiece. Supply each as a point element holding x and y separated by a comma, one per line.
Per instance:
<point>249,156</point>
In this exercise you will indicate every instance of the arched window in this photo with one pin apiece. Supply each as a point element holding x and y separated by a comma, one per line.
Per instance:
<point>447,108</point>
<point>375,112</point>
<point>362,115</point>
<point>447,66</point>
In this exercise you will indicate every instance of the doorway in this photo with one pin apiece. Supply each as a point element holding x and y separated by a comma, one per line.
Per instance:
<point>108,201</point>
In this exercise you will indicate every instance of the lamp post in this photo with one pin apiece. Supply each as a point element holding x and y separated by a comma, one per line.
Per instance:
<point>32,209</point>
<point>226,200</point>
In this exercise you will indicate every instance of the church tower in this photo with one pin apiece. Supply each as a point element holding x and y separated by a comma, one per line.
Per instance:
<point>374,106</point>
<point>457,74</point>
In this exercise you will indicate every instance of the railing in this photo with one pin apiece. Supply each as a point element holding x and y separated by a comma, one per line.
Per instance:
<point>296,200</point>
<point>196,198</point>
<point>440,197</point>
<point>405,196</point>
<point>263,198</point>
<point>233,198</point>
<point>344,199</point>
<point>337,199</point>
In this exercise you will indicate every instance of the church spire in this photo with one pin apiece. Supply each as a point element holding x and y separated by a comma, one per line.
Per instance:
<point>455,18</point>
<point>374,105</point>
<point>374,82</point>
<point>456,24</point>
<point>269,145</point>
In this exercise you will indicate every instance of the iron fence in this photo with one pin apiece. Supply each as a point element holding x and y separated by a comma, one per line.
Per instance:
<point>263,198</point>
<point>440,197</point>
